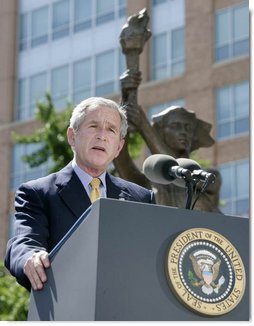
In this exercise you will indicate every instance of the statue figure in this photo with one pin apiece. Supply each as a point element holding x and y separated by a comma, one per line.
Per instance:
<point>175,131</point>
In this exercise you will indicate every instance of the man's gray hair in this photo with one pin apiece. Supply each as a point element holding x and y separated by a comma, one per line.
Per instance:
<point>80,111</point>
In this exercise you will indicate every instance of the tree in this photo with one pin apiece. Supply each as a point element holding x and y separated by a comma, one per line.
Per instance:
<point>53,138</point>
<point>14,298</point>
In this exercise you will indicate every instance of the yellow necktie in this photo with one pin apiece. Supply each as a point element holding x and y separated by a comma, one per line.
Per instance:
<point>95,192</point>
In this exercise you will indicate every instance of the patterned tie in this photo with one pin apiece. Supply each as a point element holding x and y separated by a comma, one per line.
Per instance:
<point>95,192</point>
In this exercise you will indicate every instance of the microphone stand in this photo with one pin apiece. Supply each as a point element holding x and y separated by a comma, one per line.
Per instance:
<point>189,186</point>
<point>207,182</point>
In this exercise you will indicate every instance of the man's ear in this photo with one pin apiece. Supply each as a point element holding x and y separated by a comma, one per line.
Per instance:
<point>120,146</point>
<point>71,136</point>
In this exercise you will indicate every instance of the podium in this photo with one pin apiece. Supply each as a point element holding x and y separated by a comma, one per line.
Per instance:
<point>111,265</point>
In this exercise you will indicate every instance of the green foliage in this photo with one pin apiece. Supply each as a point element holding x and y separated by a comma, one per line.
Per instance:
<point>53,138</point>
<point>14,299</point>
<point>135,143</point>
<point>203,163</point>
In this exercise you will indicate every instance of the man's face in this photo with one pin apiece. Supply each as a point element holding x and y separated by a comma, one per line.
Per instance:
<point>98,141</point>
<point>178,133</point>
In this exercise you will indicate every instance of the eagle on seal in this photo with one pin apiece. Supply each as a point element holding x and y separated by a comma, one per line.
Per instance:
<point>206,266</point>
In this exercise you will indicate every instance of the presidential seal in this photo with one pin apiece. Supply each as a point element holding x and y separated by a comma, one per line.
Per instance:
<point>205,272</point>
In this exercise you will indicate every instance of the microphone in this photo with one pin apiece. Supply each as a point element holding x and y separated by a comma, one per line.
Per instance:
<point>196,172</point>
<point>164,169</point>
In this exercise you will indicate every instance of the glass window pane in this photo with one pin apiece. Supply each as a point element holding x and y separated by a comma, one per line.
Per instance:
<point>104,89</point>
<point>105,67</point>
<point>103,6</point>
<point>21,172</point>
<point>241,48</point>
<point>59,86</point>
<point>224,130</point>
<point>82,74</point>
<point>38,87</point>
<point>81,80</point>
<point>122,4</point>
<point>241,125</point>
<point>104,11</point>
<point>21,100</point>
<point>227,189</point>
<point>23,32</point>
<point>222,30</point>
<point>157,2</point>
<point>222,52</point>
<point>60,19</point>
<point>159,49</point>
<point>241,22</point>
<point>160,73</point>
<point>242,179</point>
<point>177,43</point>
<point>39,27</point>
<point>235,188</point>
<point>242,207</point>
<point>223,103</point>
<point>242,100</point>
<point>82,14</point>
<point>177,68</point>
<point>105,73</point>
<point>79,96</point>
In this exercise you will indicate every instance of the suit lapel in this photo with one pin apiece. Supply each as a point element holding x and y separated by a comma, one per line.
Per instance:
<point>116,188</point>
<point>72,192</point>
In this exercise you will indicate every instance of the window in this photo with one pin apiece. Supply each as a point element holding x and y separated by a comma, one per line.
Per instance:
<point>231,32</point>
<point>122,8</point>
<point>38,87</point>
<point>105,73</point>
<point>160,56</point>
<point>82,80</point>
<point>22,112</point>
<point>105,11</point>
<point>82,15</point>
<point>234,192</point>
<point>39,28</point>
<point>157,2</point>
<point>21,171</point>
<point>168,54</point>
<point>60,23</point>
<point>160,107</point>
<point>29,91</point>
<point>232,105</point>
<point>49,23</point>
<point>60,86</point>
<point>23,32</point>
<point>177,46</point>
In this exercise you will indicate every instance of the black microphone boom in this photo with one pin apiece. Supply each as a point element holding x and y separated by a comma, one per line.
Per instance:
<point>164,169</point>
<point>196,172</point>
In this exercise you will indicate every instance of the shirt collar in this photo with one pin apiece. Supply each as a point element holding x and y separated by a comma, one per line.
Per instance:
<point>86,178</point>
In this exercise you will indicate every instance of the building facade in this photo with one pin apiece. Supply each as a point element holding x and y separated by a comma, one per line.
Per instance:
<point>198,57</point>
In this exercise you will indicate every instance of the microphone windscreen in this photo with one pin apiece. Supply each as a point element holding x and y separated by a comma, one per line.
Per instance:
<point>188,164</point>
<point>156,168</point>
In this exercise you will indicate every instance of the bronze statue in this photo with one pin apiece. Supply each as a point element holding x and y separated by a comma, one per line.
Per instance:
<point>175,131</point>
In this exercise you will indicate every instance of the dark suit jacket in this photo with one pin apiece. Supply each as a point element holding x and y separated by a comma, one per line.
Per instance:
<point>47,208</point>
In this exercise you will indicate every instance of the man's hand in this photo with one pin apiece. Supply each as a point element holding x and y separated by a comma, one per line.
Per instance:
<point>34,269</point>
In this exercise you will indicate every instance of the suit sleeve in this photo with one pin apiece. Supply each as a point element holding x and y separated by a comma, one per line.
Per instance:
<point>31,232</point>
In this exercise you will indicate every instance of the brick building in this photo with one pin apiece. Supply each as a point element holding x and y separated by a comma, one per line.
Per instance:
<point>198,57</point>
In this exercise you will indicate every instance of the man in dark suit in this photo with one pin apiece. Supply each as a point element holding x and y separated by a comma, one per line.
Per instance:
<point>47,208</point>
